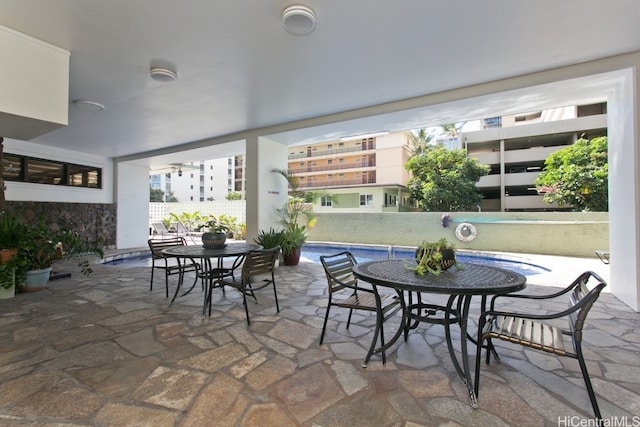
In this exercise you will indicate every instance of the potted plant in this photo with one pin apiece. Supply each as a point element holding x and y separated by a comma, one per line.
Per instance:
<point>12,230</point>
<point>434,257</point>
<point>270,238</point>
<point>215,233</point>
<point>294,237</point>
<point>42,245</point>
<point>296,212</point>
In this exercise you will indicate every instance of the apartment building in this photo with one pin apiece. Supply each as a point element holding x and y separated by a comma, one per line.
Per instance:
<point>197,181</point>
<point>363,172</point>
<point>517,146</point>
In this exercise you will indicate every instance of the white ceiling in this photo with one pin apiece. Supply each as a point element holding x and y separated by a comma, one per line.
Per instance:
<point>238,69</point>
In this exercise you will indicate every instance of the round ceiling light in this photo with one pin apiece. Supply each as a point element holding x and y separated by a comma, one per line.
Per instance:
<point>88,105</point>
<point>162,74</point>
<point>299,19</point>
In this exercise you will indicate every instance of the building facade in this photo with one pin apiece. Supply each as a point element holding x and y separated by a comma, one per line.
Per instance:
<point>355,174</point>
<point>202,181</point>
<point>516,147</point>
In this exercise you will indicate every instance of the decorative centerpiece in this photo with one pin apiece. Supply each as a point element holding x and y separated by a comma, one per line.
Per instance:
<point>215,233</point>
<point>434,257</point>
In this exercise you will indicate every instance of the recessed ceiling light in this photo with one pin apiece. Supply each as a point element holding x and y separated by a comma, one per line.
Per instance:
<point>299,19</point>
<point>162,74</point>
<point>88,105</point>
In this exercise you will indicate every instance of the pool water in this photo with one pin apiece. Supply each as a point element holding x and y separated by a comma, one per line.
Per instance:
<point>313,253</point>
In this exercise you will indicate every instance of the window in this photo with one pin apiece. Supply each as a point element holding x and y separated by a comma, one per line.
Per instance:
<point>326,201</point>
<point>329,161</point>
<point>366,200</point>
<point>191,175</point>
<point>39,171</point>
<point>191,187</point>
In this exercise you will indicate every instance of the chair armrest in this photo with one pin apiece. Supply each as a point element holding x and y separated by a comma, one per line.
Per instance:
<point>583,278</point>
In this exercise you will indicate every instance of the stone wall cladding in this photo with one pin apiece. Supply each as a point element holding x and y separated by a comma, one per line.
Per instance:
<point>92,220</point>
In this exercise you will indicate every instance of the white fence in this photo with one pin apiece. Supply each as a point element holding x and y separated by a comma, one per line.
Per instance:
<point>233,208</point>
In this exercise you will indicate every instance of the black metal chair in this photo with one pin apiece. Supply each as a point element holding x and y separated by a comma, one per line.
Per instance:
<point>529,330</point>
<point>345,292</point>
<point>256,263</point>
<point>170,265</point>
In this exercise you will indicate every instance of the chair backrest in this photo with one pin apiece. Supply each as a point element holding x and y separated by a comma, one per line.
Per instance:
<point>339,270</point>
<point>584,296</point>
<point>260,262</point>
<point>159,227</point>
<point>156,246</point>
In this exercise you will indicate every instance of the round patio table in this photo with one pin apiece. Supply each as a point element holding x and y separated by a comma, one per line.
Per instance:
<point>460,282</point>
<point>205,256</point>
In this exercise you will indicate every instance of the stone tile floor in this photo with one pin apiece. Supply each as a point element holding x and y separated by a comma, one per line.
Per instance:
<point>105,351</point>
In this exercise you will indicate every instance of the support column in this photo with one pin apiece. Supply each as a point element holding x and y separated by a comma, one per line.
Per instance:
<point>624,188</point>
<point>266,191</point>
<point>132,205</point>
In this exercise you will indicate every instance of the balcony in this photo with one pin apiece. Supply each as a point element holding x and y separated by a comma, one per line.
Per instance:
<point>318,153</point>
<point>337,167</point>
<point>336,183</point>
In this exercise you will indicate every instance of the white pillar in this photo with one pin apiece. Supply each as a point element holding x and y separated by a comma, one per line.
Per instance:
<point>624,189</point>
<point>132,199</point>
<point>266,191</point>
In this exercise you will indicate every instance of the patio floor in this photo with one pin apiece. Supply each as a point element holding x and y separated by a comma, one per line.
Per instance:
<point>105,351</point>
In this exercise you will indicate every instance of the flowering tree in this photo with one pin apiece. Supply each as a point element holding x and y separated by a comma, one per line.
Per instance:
<point>577,176</point>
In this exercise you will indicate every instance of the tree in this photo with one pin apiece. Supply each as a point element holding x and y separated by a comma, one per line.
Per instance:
<point>156,195</point>
<point>445,180</point>
<point>420,142</point>
<point>577,176</point>
<point>233,195</point>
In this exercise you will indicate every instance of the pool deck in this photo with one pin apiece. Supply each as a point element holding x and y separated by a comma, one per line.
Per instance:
<point>104,350</point>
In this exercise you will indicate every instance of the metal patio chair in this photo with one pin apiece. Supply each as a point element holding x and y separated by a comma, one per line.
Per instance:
<point>534,330</point>
<point>168,264</point>
<point>345,292</point>
<point>257,273</point>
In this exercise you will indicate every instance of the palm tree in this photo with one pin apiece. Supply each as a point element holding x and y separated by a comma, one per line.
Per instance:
<point>420,142</point>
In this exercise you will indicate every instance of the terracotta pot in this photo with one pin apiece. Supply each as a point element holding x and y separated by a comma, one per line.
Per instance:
<point>7,254</point>
<point>292,258</point>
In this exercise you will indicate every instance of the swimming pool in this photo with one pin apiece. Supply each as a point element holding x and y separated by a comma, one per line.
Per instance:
<point>312,252</point>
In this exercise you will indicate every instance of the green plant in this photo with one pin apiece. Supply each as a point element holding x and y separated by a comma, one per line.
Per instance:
<point>213,225</point>
<point>434,257</point>
<point>189,220</point>
<point>12,230</point>
<point>270,238</point>
<point>231,222</point>
<point>293,237</point>
<point>44,244</point>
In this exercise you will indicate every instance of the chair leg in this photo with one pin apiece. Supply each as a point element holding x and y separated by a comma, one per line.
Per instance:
<point>374,341</point>
<point>349,318</point>
<point>324,325</point>
<point>587,381</point>
<point>244,301</point>
<point>275,294</point>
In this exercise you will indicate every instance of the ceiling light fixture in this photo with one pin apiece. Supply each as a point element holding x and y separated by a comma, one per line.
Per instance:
<point>299,19</point>
<point>88,105</point>
<point>162,74</point>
